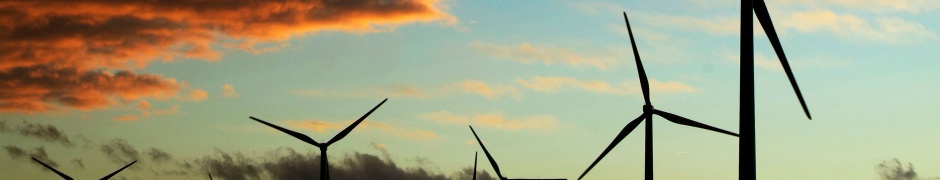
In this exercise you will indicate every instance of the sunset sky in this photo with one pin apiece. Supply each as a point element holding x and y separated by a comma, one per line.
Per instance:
<point>89,86</point>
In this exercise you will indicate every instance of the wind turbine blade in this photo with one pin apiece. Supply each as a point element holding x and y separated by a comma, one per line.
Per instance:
<point>346,131</point>
<point>210,176</point>
<point>644,82</point>
<point>53,170</point>
<point>688,122</point>
<point>487,153</point>
<point>297,135</point>
<point>119,170</point>
<point>623,134</point>
<point>475,165</point>
<point>760,9</point>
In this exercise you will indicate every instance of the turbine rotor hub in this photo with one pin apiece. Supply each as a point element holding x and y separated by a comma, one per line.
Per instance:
<point>648,108</point>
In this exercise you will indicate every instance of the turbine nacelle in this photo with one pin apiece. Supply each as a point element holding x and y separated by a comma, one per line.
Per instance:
<point>648,109</point>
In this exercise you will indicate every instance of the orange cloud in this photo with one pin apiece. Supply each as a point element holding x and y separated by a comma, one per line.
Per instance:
<point>198,95</point>
<point>44,88</point>
<point>229,91</point>
<point>495,120</point>
<point>555,84</point>
<point>315,126</point>
<point>490,92</point>
<point>528,53</point>
<point>393,91</point>
<point>126,118</point>
<point>324,126</point>
<point>79,54</point>
<point>144,105</point>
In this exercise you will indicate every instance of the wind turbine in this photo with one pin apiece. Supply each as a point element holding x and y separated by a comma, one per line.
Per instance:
<point>648,112</point>
<point>210,176</point>
<point>66,177</point>
<point>748,143</point>
<point>324,164</point>
<point>492,161</point>
<point>475,165</point>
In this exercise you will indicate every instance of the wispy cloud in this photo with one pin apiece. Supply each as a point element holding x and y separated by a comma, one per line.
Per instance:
<point>489,91</point>
<point>494,119</point>
<point>18,153</point>
<point>469,86</point>
<point>72,54</point>
<point>554,84</point>
<point>388,91</point>
<point>229,91</point>
<point>174,109</point>
<point>550,55</point>
<point>716,25</point>
<point>494,91</point>
<point>45,132</point>
<point>146,110</point>
<point>881,29</point>
<point>126,118</point>
<point>880,6</point>
<point>119,151</point>
<point>598,8</point>
<point>322,127</point>
<point>825,17</point>
<point>198,95</point>
<point>770,62</point>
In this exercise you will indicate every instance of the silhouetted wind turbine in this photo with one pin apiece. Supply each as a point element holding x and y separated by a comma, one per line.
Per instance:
<point>748,146</point>
<point>70,178</point>
<point>475,165</point>
<point>324,164</point>
<point>488,156</point>
<point>648,112</point>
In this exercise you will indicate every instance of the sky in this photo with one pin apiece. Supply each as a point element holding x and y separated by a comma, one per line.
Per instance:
<point>89,86</point>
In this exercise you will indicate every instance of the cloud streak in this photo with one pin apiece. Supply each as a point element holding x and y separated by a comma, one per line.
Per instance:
<point>323,127</point>
<point>229,91</point>
<point>45,132</point>
<point>883,29</point>
<point>550,55</point>
<point>18,153</point>
<point>119,151</point>
<point>491,92</point>
<point>494,120</point>
<point>554,84</point>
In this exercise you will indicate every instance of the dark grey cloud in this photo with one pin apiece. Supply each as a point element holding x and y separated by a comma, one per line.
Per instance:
<point>17,153</point>
<point>467,173</point>
<point>79,163</point>
<point>234,166</point>
<point>119,151</point>
<point>159,156</point>
<point>45,132</point>
<point>3,126</point>
<point>894,170</point>
<point>287,164</point>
